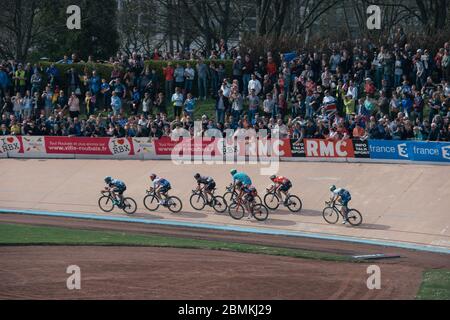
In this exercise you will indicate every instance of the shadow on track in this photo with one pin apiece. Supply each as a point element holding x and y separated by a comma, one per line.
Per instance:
<point>276,222</point>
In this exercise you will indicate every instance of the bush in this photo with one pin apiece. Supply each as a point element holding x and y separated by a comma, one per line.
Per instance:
<point>104,69</point>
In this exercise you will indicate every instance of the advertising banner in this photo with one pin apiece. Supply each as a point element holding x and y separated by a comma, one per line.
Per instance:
<point>388,149</point>
<point>11,145</point>
<point>222,149</point>
<point>329,149</point>
<point>144,148</point>
<point>361,149</point>
<point>89,146</point>
<point>428,151</point>
<point>298,148</point>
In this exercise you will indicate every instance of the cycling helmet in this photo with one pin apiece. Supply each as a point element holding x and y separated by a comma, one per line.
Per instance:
<point>108,179</point>
<point>153,176</point>
<point>233,172</point>
<point>273,177</point>
<point>332,188</point>
<point>197,176</point>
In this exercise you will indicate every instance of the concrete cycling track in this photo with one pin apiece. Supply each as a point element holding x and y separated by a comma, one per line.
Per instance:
<point>402,205</point>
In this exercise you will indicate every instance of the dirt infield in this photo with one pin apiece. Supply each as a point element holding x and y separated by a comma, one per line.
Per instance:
<point>157,273</point>
<point>38,272</point>
<point>406,203</point>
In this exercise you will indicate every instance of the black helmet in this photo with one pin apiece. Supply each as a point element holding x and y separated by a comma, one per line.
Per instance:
<point>197,176</point>
<point>273,177</point>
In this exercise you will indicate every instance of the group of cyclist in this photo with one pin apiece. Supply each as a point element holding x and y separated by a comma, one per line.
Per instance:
<point>241,183</point>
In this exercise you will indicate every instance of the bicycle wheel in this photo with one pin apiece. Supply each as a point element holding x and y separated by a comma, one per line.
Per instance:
<point>294,204</point>
<point>260,212</point>
<point>229,197</point>
<point>174,204</point>
<point>271,201</point>
<point>258,200</point>
<point>197,201</point>
<point>106,204</point>
<point>219,204</point>
<point>330,215</point>
<point>129,206</point>
<point>151,202</point>
<point>236,211</point>
<point>354,217</point>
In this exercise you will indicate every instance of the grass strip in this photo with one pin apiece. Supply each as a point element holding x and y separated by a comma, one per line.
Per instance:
<point>435,285</point>
<point>15,234</point>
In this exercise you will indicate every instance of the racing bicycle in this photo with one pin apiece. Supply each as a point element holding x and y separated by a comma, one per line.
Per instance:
<point>239,206</point>
<point>231,194</point>
<point>199,201</point>
<point>331,214</point>
<point>108,202</point>
<point>152,202</point>
<point>272,200</point>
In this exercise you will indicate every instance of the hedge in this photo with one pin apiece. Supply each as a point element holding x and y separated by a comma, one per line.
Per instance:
<point>104,70</point>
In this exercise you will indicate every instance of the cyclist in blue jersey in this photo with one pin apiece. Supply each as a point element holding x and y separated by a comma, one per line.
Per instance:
<point>118,188</point>
<point>161,187</point>
<point>343,196</point>
<point>240,176</point>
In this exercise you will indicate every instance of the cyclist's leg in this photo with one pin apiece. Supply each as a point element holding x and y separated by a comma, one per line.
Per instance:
<point>344,209</point>
<point>121,196</point>
<point>116,197</point>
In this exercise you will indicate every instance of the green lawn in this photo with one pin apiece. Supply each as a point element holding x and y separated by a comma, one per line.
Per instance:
<point>12,234</point>
<point>435,285</point>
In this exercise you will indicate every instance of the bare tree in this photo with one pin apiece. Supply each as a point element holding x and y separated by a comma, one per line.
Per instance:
<point>216,19</point>
<point>17,26</point>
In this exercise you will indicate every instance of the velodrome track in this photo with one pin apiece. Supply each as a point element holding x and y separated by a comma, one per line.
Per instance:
<point>401,204</point>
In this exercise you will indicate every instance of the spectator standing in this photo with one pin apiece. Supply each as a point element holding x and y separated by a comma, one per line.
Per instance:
<point>237,71</point>
<point>189,74</point>
<point>179,76</point>
<point>254,84</point>
<point>74,105</point>
<point>116,103</point>
<point>169,79</point>
<point>248,68</point>
<point>222,105</point>
<point>189,106</point>
<point>253,105</point>
<point>177,102</point>
<point>202,72</point>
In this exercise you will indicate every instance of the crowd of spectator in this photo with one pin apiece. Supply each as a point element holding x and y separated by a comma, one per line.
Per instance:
<point>397,92</point>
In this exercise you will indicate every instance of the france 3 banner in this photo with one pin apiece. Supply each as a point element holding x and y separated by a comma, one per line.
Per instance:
<point>410,150</point>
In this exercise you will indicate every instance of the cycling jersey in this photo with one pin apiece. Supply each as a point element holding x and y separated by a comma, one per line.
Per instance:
<point>281,180</point>
<point>242,177</point>
<point>209,183</point>
<point>160,182</point>
<point>118,186</point>
<point>344,195</point>
<point>205,180</point>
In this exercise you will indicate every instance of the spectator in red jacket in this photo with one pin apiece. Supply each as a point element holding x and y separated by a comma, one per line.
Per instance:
<point>168,77</point>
